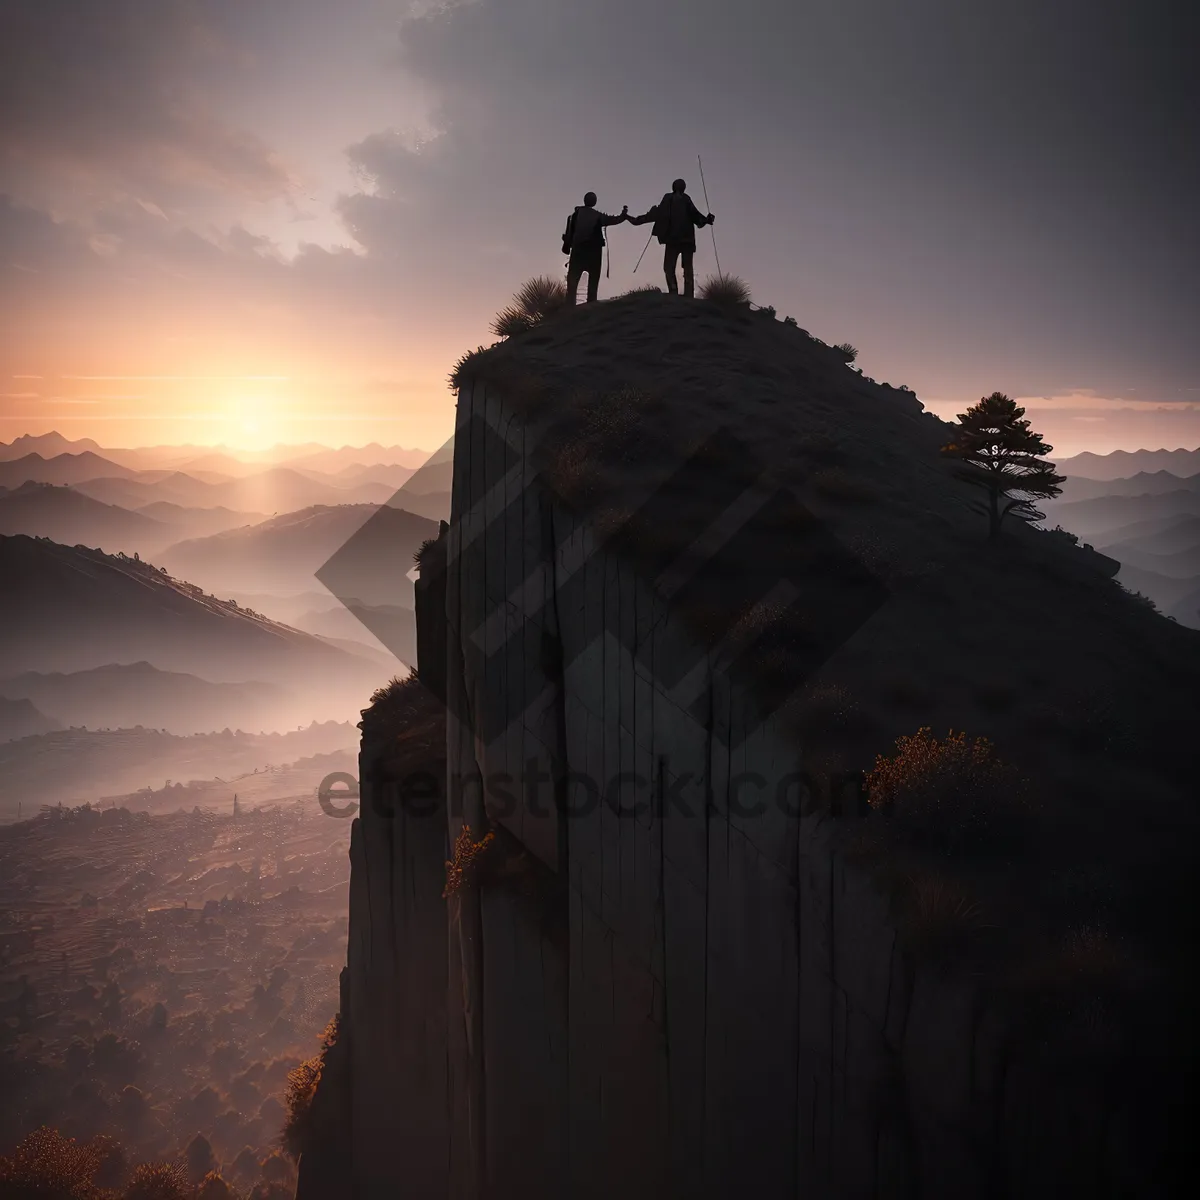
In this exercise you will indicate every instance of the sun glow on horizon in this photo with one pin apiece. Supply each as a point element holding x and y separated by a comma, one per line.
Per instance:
<point>253,420</point>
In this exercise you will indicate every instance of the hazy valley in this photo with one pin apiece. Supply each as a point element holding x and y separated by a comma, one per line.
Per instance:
<point>176,684</point>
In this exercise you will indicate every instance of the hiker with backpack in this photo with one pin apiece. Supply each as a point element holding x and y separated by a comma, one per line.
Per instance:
<point>676,220</point>
<point>583,240</point>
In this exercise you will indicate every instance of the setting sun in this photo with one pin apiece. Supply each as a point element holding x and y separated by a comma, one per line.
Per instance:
<point>252,421</point>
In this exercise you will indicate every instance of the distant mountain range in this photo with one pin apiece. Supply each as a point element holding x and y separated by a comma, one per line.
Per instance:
<point>1093,518</point>
<point>321,458</point>
<point>275,490</point>
<point>1145,483</point>
<point>91,636</point>
<point>65,609</point>
<point>1175,534</point>
<point>1175,564</point>
<point>1148,521</point>
<point>186,522</point>
<point>282,555</point>
<point>73,518</point>
<point>1123,464</point>
<point>312,455</point>
<point>62,468</point>
<point>127,695</point>
<point>216,493</point>
<point>48,445</point>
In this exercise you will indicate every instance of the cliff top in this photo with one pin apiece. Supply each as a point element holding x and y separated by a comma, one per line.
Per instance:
<point>641,380</point>
<point>1028,640</point>
<point>651,416</point>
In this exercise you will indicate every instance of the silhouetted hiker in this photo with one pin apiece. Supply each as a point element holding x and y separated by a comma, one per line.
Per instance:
<point>676,220</point>
<point>583,240</point>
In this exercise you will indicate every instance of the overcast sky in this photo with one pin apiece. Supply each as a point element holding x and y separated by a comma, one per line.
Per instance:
<point>259,220</point>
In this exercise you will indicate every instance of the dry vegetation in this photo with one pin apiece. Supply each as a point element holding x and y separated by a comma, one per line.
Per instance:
<point>729,291</point>
<point>405,725</point>
<point>301,1092</point>
<point>950,791</point>
<point>537,299</point>
<point>468,857</point>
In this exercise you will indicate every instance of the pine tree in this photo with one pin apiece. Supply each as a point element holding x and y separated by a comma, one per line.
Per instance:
<point>1002,455</point>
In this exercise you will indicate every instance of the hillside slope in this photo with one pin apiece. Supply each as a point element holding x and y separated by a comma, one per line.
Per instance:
<point>283,554</point>
<point>70,609</point>
<point>72,518</point>
<point>21,718</point>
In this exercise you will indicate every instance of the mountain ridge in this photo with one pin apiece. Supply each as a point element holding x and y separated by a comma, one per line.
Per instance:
<point>66,515</point>
<point>285,552</point>
<point>70,609</point>
<point>1120,464</point>
<point>124,695</point>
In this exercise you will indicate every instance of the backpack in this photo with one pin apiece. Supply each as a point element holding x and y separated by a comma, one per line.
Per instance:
<point>587,236</point>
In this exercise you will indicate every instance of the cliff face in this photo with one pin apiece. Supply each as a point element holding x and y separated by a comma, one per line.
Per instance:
<point>665,973</point>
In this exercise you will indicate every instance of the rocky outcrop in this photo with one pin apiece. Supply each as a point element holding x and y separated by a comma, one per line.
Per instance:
<point>663,974</point>
<point>729,1011</point>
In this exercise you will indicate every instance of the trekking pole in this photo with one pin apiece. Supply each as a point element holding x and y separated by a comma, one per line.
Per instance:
<point>643,253</point>
<point>709,207</point>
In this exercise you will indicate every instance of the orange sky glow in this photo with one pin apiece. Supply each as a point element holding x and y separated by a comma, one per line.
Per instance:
<point>285,221</point>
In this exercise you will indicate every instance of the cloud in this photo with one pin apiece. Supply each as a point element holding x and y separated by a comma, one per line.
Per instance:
<point>1086,398</point>
<point>844,145</point>
<point>116,99</point>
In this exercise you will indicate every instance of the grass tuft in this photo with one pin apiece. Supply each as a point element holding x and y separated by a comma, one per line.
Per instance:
<point>541,296</point>
<point>423,550</point>
<point>511,321</point>
<point>535,300</point>
<point>458,371</point>
<point>729,291</point>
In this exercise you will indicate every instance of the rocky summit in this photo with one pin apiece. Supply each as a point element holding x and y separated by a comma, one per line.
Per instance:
<point>755,825</point>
